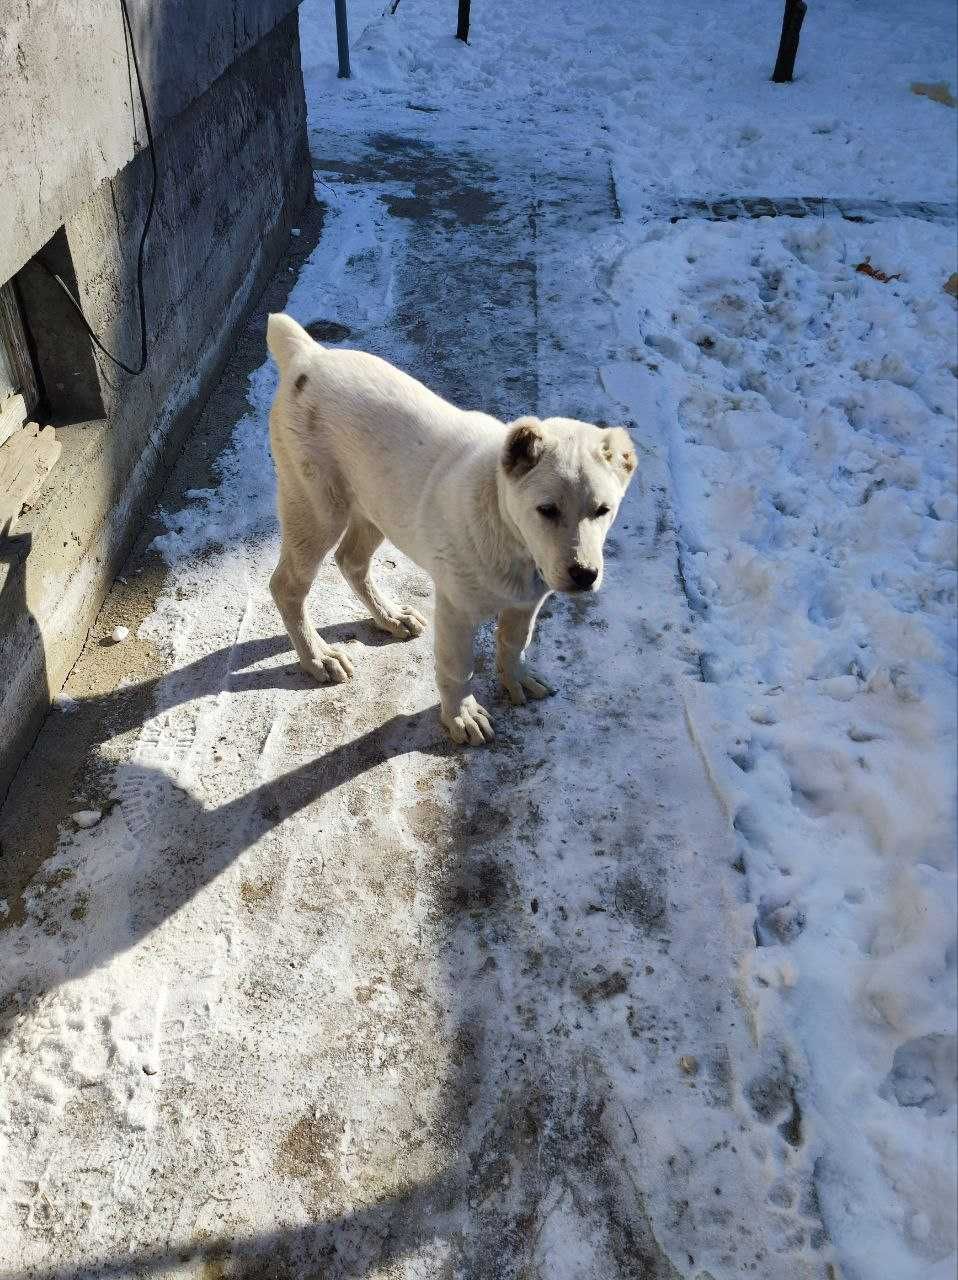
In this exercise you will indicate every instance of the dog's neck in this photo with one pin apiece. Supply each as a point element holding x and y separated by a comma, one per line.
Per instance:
<point>513,560</point>
<point>509,533</point>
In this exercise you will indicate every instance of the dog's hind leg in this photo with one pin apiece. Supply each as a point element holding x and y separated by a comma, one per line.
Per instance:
<point>354,556</point>
<point>307,537</point>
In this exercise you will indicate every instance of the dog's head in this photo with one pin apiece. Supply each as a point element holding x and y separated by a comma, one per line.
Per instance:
<point>564,481</point>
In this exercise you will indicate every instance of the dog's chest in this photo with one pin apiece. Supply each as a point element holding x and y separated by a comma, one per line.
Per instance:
<point>519,587</point>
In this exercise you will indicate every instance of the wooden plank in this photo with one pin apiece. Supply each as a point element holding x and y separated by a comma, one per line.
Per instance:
<point>26,460</point>
<point>13,414</point>
<point>9,382</point>
<point>15,340</point>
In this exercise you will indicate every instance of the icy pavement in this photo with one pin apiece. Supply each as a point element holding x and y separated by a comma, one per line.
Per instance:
<point>659,985</point>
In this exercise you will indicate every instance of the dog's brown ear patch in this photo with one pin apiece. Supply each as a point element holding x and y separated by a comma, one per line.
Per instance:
<point>618,450</point>
<point>524,447</point>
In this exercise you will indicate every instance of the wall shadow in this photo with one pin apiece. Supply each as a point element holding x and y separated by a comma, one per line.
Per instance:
<point>160,890</point>
<point>170,866</point>
<point>318,1251</point>
<point>513,1129</point>
<point>20,634</point>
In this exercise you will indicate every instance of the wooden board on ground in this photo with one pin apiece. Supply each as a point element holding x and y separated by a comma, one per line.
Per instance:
<point>26,459</point>
<point>13,414</point>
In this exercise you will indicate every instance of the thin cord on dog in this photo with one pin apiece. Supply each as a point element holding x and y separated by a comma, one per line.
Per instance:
<point>144,353</point>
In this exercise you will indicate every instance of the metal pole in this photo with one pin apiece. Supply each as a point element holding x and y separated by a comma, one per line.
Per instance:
<point>788,46</point>
<point>342,39</point>
<point>462,27</point>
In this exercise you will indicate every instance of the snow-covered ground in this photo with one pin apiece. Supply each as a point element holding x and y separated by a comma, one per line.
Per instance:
<point>810,413</point>
<point>682,91</point>
<point>665,984</point>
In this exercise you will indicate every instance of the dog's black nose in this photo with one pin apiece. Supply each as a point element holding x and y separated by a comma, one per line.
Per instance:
<point>582,577</point>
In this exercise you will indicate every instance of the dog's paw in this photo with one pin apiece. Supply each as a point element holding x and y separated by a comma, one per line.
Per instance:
<point>470,724</point>
<point>404,624</point>
<point>523,683</point>
<point>329,667</point>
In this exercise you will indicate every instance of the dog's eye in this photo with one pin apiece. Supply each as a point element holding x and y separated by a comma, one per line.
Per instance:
<point>548,511</point>
<point>600,512</point>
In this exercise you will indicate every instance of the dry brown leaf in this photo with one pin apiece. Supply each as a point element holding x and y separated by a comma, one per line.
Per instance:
<point>867,269</point>
<point>937,92</point>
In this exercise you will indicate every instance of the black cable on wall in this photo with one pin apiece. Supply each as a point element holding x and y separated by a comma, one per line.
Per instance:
<point>144,351</point>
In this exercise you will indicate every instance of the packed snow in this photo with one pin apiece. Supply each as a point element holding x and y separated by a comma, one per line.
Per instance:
<point>739,925</point>
<point>809,409</point>
<point>811,424</point>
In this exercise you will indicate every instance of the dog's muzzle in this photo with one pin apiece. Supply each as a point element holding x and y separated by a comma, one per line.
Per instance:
<point>582,577</point>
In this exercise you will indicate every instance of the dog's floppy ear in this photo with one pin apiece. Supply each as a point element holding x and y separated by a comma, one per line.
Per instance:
<point>523,448</point>
<point>617,449</point>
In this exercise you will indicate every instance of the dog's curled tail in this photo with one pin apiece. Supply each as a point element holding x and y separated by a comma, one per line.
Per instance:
<point>286,339</point>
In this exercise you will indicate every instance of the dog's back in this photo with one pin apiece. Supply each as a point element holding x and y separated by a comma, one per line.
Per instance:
<point>372,436</point>
<point>352,386</point>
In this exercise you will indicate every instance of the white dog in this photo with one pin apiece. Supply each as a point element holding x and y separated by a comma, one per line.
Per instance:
<point>499,516</point>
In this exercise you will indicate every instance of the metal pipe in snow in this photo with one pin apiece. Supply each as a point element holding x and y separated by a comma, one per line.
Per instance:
<point>795,11</point>
<point>342,39</point>
<point>462,27</point>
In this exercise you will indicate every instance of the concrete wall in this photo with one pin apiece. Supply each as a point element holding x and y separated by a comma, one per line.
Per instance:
<point>234,175</point>
<point>70,113</point>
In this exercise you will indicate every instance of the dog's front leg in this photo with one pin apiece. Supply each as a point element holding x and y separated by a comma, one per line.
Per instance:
<point>464,718</point>
<point>513,634</point>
